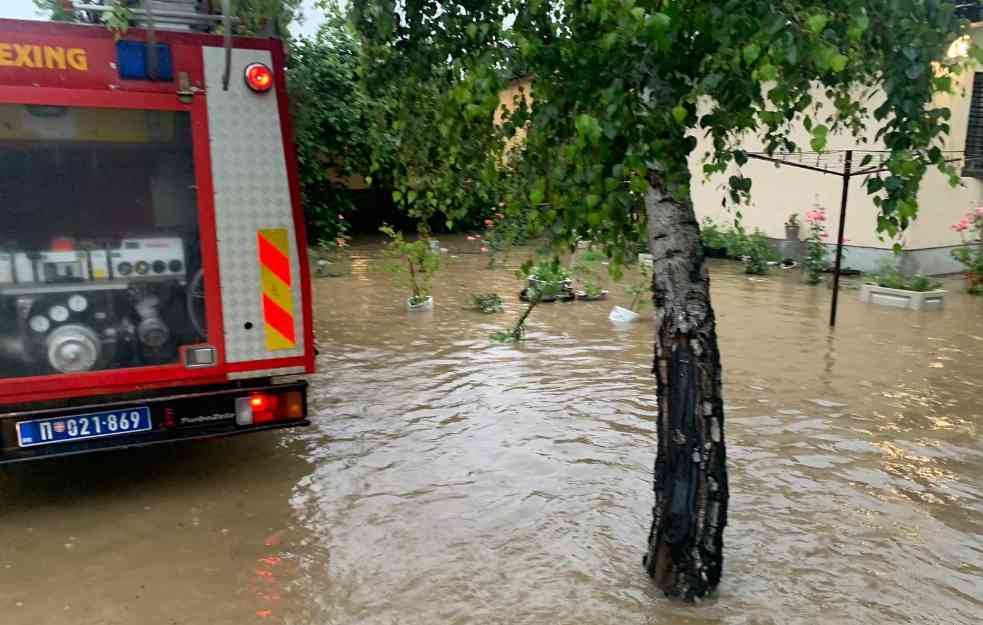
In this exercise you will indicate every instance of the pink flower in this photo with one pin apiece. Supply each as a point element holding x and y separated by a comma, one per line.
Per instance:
<point>471,238</point>
<point>489,222</point>
<point>483,249</point>
<point>824,236</point>
<point>979,211</point>
<point>341,242</point>
<point>964,224</point>
<point>499,216</point>
<point>341,217</point>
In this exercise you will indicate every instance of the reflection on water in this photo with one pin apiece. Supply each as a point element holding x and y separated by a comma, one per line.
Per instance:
<point>450,479</point>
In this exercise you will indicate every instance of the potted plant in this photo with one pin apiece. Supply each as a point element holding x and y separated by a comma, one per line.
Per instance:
<point>892,287</point>
<point>970,254</point>
<point>753,250</point>
<point>588,277</point>
<point>636,290</point>
<point>792,227</point>
<point>550,281</point>
<point>545,280</point>
<point>413,263</point>
<point>487,303</point>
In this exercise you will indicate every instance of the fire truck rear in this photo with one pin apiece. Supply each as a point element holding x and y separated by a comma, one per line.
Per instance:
<point>154,283</point>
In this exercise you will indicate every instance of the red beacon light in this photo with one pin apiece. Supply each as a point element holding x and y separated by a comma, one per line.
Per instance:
<point>259,77</point>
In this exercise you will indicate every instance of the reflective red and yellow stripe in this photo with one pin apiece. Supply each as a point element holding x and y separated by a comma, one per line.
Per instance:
<point>277,281</point>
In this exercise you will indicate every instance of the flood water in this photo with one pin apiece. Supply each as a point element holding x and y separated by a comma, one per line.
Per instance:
<point>448,479</point>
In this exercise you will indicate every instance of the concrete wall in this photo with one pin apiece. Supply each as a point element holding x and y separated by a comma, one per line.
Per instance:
<point>780,191</point>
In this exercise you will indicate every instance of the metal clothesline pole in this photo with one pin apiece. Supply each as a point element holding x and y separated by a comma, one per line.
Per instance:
<point>845,175</point>
<point>847,162</point>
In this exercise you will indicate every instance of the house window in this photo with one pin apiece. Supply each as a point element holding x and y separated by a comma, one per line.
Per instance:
<point>974,131</point>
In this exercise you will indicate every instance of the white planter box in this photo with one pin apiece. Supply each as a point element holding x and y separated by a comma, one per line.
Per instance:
<point>899,298</point>
<point>425,305</point>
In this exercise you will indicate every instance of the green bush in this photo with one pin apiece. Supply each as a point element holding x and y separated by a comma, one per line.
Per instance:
<point>753,249</point>
<point>487,303</point>
<point>714,236</point>
<point>890,277</point>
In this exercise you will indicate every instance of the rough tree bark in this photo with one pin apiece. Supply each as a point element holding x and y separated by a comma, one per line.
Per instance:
<point>685,547</point>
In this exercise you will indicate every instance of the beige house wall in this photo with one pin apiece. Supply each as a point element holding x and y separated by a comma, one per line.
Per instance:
<point>778,192</point>
<point>518,88</point>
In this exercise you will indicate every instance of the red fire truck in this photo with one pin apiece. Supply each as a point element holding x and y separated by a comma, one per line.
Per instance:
<point>154,283</point>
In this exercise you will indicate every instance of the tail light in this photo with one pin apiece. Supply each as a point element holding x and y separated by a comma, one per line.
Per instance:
<point>260,408</point>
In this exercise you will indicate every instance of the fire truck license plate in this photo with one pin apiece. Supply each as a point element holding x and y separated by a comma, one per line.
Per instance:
<point>80,427</point>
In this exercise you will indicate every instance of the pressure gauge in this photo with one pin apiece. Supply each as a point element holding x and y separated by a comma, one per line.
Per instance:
<point>58,314</point>
<point>39,323</point>
<point>78,303</point>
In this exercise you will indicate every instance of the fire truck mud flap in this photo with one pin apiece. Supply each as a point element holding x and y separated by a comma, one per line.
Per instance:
<point>138,422</point>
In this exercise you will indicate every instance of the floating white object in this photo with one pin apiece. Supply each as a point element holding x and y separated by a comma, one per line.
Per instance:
<point>623,315</point>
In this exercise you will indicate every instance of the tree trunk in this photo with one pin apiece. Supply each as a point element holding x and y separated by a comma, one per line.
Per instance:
<point>685,547</point>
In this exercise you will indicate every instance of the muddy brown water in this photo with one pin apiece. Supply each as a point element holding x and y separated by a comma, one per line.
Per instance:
<point>448,479</point>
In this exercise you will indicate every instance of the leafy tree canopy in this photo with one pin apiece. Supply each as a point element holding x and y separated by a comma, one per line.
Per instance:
<point>340,129</point>
<point>623,87</point>
<point>253,13</point>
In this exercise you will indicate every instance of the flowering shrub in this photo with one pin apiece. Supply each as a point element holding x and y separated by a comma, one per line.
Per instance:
<point>817,255</point>
<point>499,237</point>
<point>332,254</point>
<point>970,228</point>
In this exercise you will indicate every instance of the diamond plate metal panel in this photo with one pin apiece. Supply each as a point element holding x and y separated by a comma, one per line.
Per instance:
<point>249,173</point>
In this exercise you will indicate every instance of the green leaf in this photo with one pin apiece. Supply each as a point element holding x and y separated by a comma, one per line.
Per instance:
<point>817,23</point>
<point>661,20</point>
<point>679,113</point>
<point>838,63</point>
<point>397,197</point>
<point>751,52</point>
<point>472,31</point>
<point>819,136</point>
<point>766,73</point>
